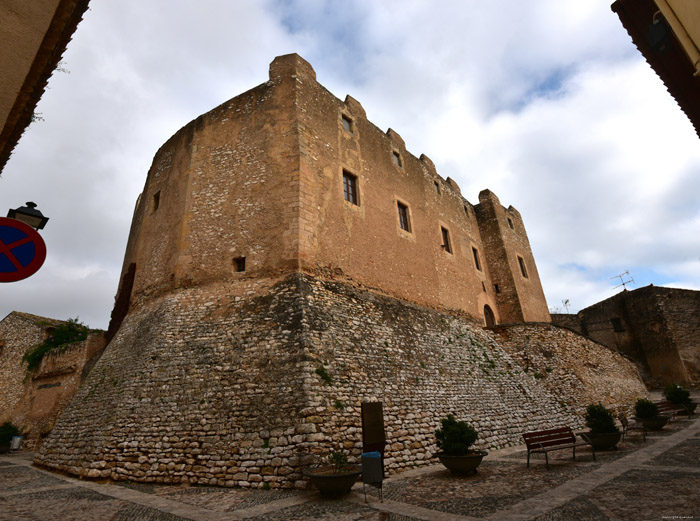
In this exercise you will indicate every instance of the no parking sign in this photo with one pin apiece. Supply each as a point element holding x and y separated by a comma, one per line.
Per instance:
<point>22,250</point>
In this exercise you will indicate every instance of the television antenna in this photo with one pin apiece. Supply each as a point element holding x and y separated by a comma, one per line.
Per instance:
<point>625,278</point>
<point>565,303</point>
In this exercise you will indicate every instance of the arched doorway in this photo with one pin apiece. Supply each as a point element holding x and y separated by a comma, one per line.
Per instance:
<point>489,317</point>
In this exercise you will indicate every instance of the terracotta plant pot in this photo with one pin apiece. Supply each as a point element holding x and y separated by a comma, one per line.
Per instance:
<point>653,424</point>
<point>603,441</point>
<point>331,483</point>
<point>466,464</point>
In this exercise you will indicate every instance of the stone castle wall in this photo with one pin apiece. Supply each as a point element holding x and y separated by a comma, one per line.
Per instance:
<point>33,400</point>
<point>254,188</point>
<point>659,328</point>
<point>208,385</point>
<point>572,366</point>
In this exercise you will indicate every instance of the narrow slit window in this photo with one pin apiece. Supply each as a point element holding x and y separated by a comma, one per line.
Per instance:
<point>477,260</point>
<point>239,263</point>
<point>396,157</point>
<point>510,223</point>
<point>496,288</point>
<point>156,200</point>
<point>350,188</point>
<point>346,122</point>
<point>437,187</point>
<point>403,217</point>
<point>466,211</point>
<point>523,269</point>
<point>483,286</point>
<point>446,240</point>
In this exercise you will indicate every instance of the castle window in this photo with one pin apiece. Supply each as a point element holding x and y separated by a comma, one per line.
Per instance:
<point>483,286</point>
<point>446,240</point>
<point>477,260</point>
<point>350,188</point>
<point>346,122</point>
<point>403,217</point>
<point>523,269</point>
<point>496,288</point>
<point>466,211</point>
<point>396,158</point>
<point>617,325</point>
<point>437,187</point>
<point>510,223</point>
<point>239,263</point>
<point>156,200</point>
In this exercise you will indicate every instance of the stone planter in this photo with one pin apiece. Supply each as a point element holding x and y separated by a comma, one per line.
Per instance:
<point>603,441</point>
<point>465,464</point>
<point>333,484</point>
<point>653,424</point>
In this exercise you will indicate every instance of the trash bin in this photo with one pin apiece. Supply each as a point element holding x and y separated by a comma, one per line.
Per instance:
<point>372,472</point>
<point>16,442</point>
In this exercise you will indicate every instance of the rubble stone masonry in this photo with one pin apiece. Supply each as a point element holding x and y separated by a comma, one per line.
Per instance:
<point>207,385</point>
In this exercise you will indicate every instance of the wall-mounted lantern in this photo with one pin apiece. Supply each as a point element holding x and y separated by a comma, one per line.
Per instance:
<point>29,215</point>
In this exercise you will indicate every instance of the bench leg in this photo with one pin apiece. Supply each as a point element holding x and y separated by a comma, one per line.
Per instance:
<point>528,459</point>
<point>546,459</point>
<point>574,453</point>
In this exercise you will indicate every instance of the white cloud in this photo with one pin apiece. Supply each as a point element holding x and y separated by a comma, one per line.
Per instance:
<point>547,103</point>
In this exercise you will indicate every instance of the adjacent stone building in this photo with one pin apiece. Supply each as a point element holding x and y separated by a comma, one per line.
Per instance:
<point>287,262</point>
<point>32,400</point>
<point>658,328</point>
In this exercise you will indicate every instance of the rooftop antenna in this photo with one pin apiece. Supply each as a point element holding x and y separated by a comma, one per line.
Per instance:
<point>565,302</point>
<point>625,278</point>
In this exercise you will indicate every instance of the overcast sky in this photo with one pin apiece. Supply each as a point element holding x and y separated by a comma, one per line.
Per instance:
<point>546,102</point>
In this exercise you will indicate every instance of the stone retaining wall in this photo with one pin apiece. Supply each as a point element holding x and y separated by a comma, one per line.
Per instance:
<point>203,386</point>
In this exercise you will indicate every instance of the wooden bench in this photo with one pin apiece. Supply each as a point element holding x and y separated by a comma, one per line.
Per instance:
<point>666,408</point>
<point>634,425</point>
<point>552,439</point>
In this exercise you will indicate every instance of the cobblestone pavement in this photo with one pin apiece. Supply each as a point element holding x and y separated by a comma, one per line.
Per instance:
<point>656,480</point>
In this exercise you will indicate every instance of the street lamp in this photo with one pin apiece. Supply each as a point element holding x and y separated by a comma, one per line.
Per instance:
<point>29,215</point>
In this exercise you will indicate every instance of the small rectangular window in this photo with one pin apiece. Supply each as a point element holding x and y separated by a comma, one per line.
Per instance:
<point>466,211</point>
<point>523,269</point>
<point>396,158</point>
<point>437,187</point>
<point>346,122</point>
<point>483,286</point>
<point>446,240</point>
<point>350,188</point>
<point>496,288</point>
<point>477,260</point>
<point>403,217</point>
<point>617,325</point>
<point>510,223</point>
<point>156,201</point>
<point>239,263</point>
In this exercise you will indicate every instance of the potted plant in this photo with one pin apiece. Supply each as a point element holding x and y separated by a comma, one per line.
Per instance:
<point>680,398</point>
<point>336,477</point>
<point>455,440</point>
<point>647,413</point>
<point>604,433</point>
<point>7,431</point>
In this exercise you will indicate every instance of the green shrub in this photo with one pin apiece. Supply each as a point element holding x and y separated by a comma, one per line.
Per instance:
<point>645,409</point>
<point>456,437</point>
<point>7,431</point>
<point>63,334</point>
<point>338,460</point>
<point>600,420</point>
<point>676,394</point>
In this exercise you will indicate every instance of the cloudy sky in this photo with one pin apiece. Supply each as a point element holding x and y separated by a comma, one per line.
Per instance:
<point>545,102</point>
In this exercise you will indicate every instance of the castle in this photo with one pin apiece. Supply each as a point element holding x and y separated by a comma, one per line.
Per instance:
<point>289,261</point>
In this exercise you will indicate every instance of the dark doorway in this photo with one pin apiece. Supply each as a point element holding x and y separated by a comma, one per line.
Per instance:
<point>489,317</point>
